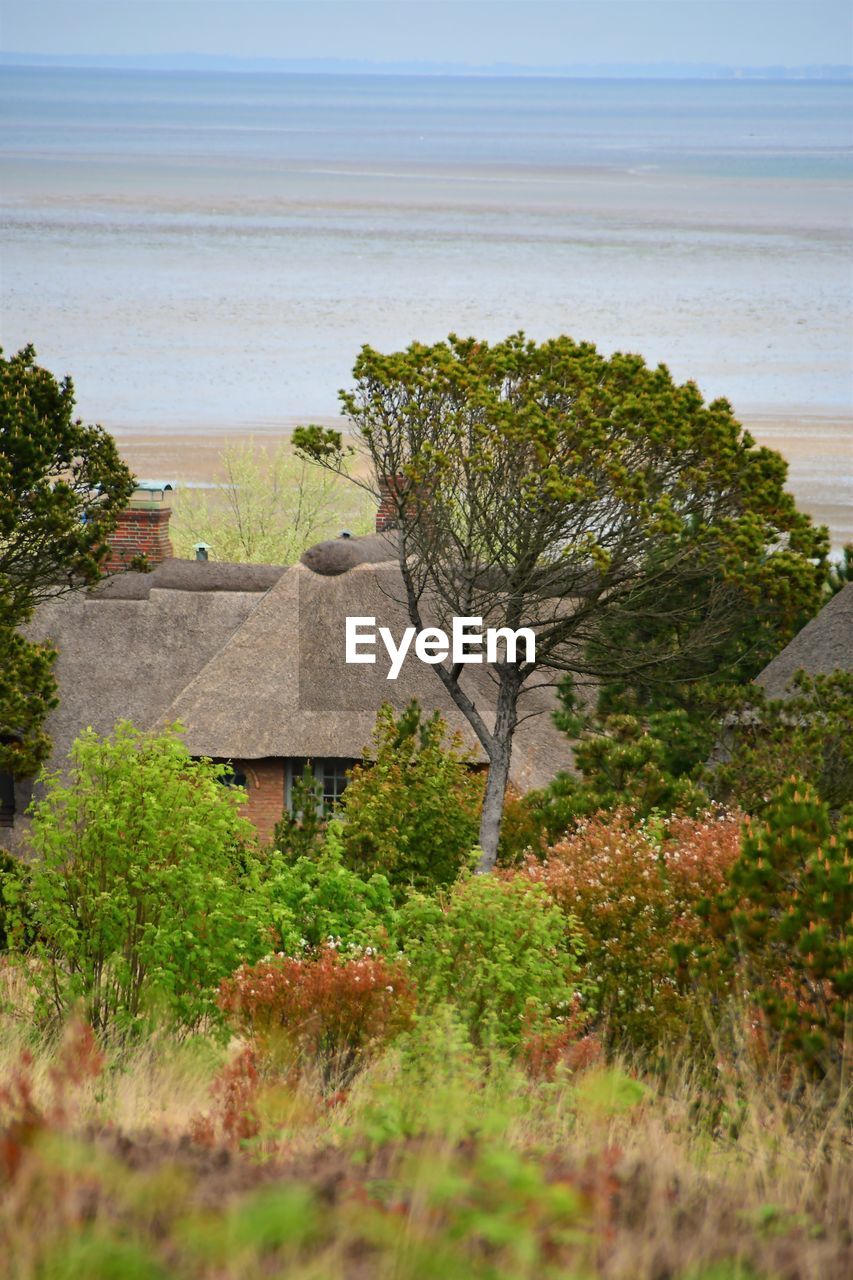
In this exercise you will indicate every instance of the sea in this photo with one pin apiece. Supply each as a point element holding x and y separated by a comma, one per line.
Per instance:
<point>206,252</point>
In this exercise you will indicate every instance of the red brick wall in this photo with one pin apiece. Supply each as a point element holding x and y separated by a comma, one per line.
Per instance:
<point>139,533</point>
<point>389,488</point>
<point>265,785</point>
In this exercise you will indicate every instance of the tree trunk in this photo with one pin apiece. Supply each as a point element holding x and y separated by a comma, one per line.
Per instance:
<point>499,762</point>
<point>493,809</point>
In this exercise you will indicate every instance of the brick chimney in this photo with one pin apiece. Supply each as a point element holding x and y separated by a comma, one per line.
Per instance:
<point>390,490</point>
<point>143,527</point>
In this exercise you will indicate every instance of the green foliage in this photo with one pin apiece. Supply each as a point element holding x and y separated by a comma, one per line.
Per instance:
<point>100,1257</point>
<point>498,951</point>
<point>623,762</point>
<point>270,506</point>
<point>137,891</point>
<point>301,830</point>
<point>413,813</point>
<point>27,694</point>
<point>62,485</point>
<point>809,734</point>
<point>783,923</point>
<point>315,899</point>
<point>442,1086</point>
<point>15,919</point>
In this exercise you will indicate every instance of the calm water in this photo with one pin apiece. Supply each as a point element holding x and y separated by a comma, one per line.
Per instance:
<point>209,251</point>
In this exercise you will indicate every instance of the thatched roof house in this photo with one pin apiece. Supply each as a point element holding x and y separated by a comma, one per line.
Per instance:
<point>824,645</point>
<point>250,659</point>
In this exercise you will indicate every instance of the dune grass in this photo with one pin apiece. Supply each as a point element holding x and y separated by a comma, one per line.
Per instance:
<point>174,1159</point>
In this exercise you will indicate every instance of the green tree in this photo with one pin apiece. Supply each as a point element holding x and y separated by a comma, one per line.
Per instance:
<point>62,485</point>
<point>413,813</point>
<point>809,734</point>
<point>267,509</point>
<point>549,487</point>
<point>783,921</point>
<point>139,893</point>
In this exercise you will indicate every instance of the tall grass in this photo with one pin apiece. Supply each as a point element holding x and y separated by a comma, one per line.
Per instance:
<point>441,1161</point>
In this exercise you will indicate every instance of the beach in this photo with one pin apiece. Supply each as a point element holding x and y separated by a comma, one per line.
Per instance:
<point>206,253</point>
<point>817,449</point>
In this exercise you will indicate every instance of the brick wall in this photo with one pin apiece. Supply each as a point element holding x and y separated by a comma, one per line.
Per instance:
<point>390,487</point>
<point>265,785</point>
<point>139,532</point>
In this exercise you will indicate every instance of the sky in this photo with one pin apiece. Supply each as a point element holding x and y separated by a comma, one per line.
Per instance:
<point>472,32</point>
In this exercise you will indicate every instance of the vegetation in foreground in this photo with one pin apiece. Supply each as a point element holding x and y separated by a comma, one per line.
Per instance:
<point>441,1159</point>
<point>624,1054</point>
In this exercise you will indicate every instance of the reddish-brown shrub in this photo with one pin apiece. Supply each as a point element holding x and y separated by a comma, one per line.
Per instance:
<point>326,1009</point>
<point>632,886</point>
<point>564,1043</point>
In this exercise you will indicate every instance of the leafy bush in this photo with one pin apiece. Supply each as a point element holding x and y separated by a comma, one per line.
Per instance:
<point>414,813</point>
<point>137,892</point>
<point>324,1008</point>
<point>630,888</point>
<point>268,508</point>
<point>809,734</point>
<point>648,763</point>
<point>782,921</point>
<point>498,951</point>
<point>315,899</point>
<point>16,925</point>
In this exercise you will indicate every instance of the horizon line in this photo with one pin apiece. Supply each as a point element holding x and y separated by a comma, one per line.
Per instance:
<point>188,61</point>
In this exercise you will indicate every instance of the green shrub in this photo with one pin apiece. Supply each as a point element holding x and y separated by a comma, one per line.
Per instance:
<point>783,925</point>
<point>137,892</point>
<point>13,901</point>
<point>809,735</point>
<point>301,830</point>
<point>316,899</point>
<point>497,950</point>
<point>413,814</point>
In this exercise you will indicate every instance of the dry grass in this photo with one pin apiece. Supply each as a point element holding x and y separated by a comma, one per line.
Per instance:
<point>435,1164</point>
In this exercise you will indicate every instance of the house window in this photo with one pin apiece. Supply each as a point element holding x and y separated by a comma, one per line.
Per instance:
<point>330,776</point>
<point>7,799</point>
<point>235,777</point>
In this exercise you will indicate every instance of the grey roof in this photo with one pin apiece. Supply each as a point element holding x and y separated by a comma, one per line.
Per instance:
<point>190,575</point>
<point>281,687</point>
<point>824,645</point>
<point>250,658</point>
<point>127,658</point>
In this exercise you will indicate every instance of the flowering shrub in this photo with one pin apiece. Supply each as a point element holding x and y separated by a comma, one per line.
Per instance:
<point>631,888</point>
<point>562,1044</point>
<point>325,1008</point>
<point>497,950</point>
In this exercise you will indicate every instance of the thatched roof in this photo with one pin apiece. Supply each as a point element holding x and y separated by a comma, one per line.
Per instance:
<point>824,645</point>
<point>127,658</point>
<point>250,658</point>
<point>190,575</point>
<point>281,686</point>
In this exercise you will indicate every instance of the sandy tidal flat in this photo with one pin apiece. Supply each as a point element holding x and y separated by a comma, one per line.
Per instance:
<point>817,447</point>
